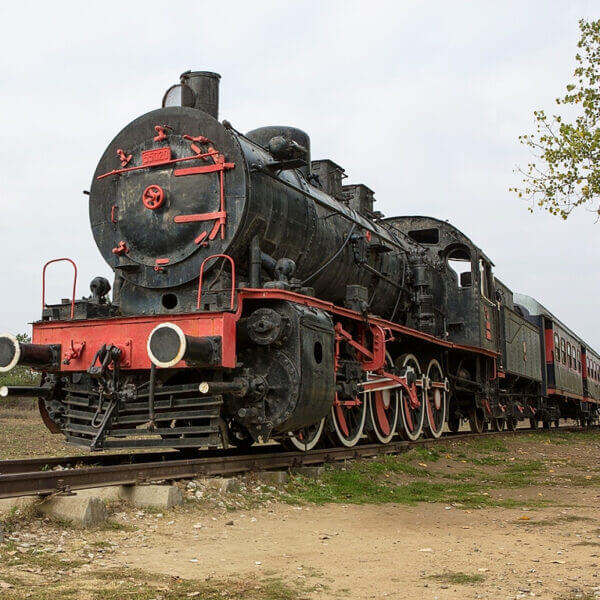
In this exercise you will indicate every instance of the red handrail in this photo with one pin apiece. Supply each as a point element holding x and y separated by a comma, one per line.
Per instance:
<point>232,278</point>
<point>55,260</point>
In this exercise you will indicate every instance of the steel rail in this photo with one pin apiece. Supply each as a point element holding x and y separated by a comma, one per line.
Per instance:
<point>46,463</point>
<point>53,482</point>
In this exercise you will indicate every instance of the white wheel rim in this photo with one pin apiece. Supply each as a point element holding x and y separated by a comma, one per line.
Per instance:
<point>302,445</point>
<point>341,436</point>
<point>384,439</point>
<point>439,399</point>
<point>418,427</point>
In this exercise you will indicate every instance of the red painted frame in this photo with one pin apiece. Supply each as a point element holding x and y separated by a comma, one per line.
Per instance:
<point>131,333</point>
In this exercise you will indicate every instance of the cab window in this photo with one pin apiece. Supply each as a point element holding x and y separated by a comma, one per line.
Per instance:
<point>459,262</point>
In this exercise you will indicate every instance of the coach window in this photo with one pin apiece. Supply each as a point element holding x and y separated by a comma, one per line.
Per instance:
<point>556,348</point>
<point>579,361</point>
<point>563,354</point>
<point>569,357</point>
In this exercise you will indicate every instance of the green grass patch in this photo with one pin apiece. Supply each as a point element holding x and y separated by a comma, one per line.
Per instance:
<point>585,481</point>
<point>457,578</point>
<point>525,466</point>
<point>18,516</point>
<point>518,474</point>
<point>465,475</point>
<point>355,486</point>
<point>112,525</point>
<point>487,444</point>
<point>392,463</point>
<point>488,461</point>
<point>116,584</point>
<point>427,454</point>
<point>47,561</point>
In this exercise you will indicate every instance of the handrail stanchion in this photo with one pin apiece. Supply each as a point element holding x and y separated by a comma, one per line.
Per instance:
<point>55,260</point>
<point>232,263</point>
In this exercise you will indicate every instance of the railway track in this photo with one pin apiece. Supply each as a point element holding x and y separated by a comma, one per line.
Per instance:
<point>39,475</point>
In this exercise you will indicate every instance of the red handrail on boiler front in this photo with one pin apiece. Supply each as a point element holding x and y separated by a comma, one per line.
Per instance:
<point>55,260</point>
<point>232,277</point>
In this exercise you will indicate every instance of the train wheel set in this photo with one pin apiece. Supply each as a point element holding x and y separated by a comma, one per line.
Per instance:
<point>256,297</point>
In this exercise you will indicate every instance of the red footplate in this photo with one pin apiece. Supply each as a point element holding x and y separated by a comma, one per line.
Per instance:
<point>80,340</point>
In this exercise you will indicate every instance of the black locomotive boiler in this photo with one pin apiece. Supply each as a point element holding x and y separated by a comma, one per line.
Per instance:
<point>256,297</point>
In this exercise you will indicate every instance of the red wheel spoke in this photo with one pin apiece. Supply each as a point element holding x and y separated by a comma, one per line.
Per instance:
<point>341,419</point>
<point>408,415</point>
<point>382,419</point>
<point>430,412</point>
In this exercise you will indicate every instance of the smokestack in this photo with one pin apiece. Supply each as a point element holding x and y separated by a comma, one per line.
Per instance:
<point>205,86</point>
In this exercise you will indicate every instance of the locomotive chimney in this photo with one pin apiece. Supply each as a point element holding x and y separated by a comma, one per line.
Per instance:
<point>205,86</point>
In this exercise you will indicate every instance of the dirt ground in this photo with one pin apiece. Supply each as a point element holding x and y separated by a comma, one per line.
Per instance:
<point>385,551</point>
<point>518,518</point>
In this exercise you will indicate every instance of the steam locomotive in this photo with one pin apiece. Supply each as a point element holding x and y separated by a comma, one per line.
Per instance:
<point>255,297</point>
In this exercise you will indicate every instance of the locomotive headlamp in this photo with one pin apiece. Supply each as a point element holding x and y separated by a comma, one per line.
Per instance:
<point>179,94</point>
<point>13,353</point>
<point>10,352</point>
<point>167,345</point>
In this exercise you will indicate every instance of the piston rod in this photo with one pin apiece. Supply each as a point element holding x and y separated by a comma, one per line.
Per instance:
<point>23,391</point>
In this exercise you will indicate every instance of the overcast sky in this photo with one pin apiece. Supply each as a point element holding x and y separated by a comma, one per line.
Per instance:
<point>421,101</point>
